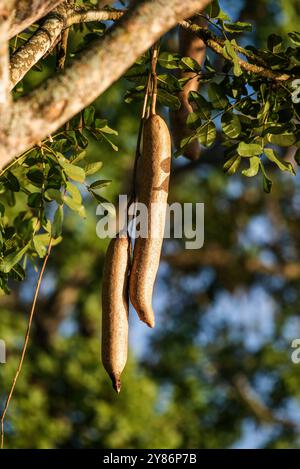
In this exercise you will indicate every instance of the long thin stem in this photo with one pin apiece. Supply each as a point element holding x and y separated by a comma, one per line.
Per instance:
<point>217,45</point>
<point>27,336</point>
<point>154,57</point>
<point>138,143</point>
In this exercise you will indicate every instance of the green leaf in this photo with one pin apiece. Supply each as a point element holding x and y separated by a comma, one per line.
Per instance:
<point>12,259</point>
<point>75,206</point>
<point>237,27</point>
<point>57,222</point>
<point>74,172</point>
<point>169,83</point>
<point>231,125</point>
<point>189,64</point>
<point>213,10</point>
<point>208,66</point>
<point>107,130</point>
<point>114,147</point>
<point>253,168</point>
<point>93,168</point>
<point>100,123</point>
<point>295,37</point>
<point>81,139</point>
<point>89,116</point>
<point>41,241</point>
<point>18,273</point>
<point>217,96</point>
<point>232,55</point>
<point>99,198</point>
<point>185,141</point>
<point>35,200</point>
<point>297,157</point>
<point>285,139</point>
<point>282,165</point>
<point>207,134</point>
<point>79,157</point>
<point>267,182</point>
<point>231,166</point>
<point>274,43</point>
<point>74,192</point>
<point>167,99</point>
<point>249,149</point>
<point>54,194</point>
<point>193,120</point>
<point>11,182</point>
<point>36,177</point>
<point>39,246</point>
<point>168,60</point>
<point>100,183</point>
<point>274,129</point>
<point>203,107</point>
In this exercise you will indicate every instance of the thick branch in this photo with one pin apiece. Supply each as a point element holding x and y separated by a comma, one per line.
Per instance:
<point>84,16</point>
<point>37,46</point>
<point>217,44</point>
<point>45,38</point>
<point>28,12</point>
<point>61,97</point>
<point>48,34</point>
<point>6,15</point>
<point>4,67</point>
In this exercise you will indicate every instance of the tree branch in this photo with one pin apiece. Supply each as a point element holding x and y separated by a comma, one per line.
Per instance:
<point>58,99</point>
<point>45,38</point>
<point>217,45</point>
<point>6,15</point>
<point>258,407</point>
<point>4,67</point>
<point>47,35</point>
<point>84,16</point>
<point>28,12</point>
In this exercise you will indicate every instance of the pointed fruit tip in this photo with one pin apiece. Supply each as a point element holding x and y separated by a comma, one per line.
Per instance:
<point>150,323</point>
<point>116,382</point>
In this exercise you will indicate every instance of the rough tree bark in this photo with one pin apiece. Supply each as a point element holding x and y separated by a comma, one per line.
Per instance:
<point>28,12</point>
<point>46,37</point>
<point>61,97</point>
<point>6,17</point>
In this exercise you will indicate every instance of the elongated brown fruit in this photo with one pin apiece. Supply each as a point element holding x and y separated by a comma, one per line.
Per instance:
<point>115,309</point>
<point>153,175</point>
<point>189,46</point>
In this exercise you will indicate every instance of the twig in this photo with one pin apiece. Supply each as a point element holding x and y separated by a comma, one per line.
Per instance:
<point>217,44</point>
<point>47,35</point>
<point>62,50</point>
<point>138,143</point>
<point>27,336</point>
<point>5,98</point>
<point>258,407</point>
<point>154,57</point>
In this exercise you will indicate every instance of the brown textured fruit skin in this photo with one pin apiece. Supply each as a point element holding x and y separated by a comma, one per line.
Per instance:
<point>153,175</point>
<point>115,308</point>
<point>189,46</point>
